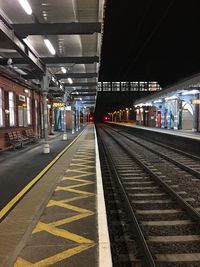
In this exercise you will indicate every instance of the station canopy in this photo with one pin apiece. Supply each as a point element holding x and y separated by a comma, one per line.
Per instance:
<point>62,38</point>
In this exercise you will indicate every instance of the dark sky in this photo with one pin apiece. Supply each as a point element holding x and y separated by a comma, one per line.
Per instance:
<point>151,40</point>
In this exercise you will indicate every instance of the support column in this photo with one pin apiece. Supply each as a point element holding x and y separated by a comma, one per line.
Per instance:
<point>64,117</point>
<point>46,147</point>
<point>195,117</point>
<point>79,117</point>
<point>76,118</point>
<point>44,85</point>
<point>163,114</point>
<point>156,119</point>
<point>176,115</point>
<point>72,122</point>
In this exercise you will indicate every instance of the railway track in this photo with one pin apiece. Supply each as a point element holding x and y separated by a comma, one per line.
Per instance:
<point>161,218</point>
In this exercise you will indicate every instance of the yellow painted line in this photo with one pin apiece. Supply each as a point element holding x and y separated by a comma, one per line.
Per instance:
<point>56,258</point>
<point>64,221</point>
<point>84,161</point>
<point>59,188</point>
<point>79,185</point>
<point>69,207</point>
<point>79,171</point>
<point>22,263</point>
<point>38,177</point>
<point>63,233</point>
<point>71,199</point>
<point>78,176</point>
<point>65,178</point>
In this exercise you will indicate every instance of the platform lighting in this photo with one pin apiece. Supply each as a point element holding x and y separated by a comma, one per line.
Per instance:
<point>192,92</point>
<point>26,6</point>
<point>63,70</point>
<point>49,46</point>
<point>70,80</point>
<point>173,97</point>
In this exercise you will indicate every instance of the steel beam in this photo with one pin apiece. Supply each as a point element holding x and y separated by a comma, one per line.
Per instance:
<point>79,84</point>
<point>53,61</point>
<point>67,75</point>
<point>83,95</point>
<point>84,91</point>
<point>21,47</point>
<point>77,75</point>
<point>24,30</point>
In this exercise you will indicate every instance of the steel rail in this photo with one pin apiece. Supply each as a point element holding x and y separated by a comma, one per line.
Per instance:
<point>185,205</point>
<point>156,143</point>
<point>182,166</point>
<point>148,258</point>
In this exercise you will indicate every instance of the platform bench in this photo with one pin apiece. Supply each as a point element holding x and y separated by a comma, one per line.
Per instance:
<point>13,140</point>
<point>30,134</point>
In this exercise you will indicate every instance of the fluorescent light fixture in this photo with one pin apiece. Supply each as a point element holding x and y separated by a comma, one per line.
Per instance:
<point>49,46</point>
<point>63,70</point>
<point>157,101</point>
<point>26,6</point>
<point>173,97</point>
<point>70,80</point>
<point>191,92</point>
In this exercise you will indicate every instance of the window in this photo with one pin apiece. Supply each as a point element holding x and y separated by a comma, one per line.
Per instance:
<point>1,107</point>
<point>28,111</point>
<point>11,109</point>
<point>115,86</point>
<point>106,86</point>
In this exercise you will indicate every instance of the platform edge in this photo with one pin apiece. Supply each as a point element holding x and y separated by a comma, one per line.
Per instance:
<point>105,257</point>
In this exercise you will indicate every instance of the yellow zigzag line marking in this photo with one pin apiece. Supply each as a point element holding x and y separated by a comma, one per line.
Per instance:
<point>56,258</point>
<point>51,228</point>
<point>79,171</point>
<point>59,188</point>
<point>84,160</point>
<point>76,179</point>
<point>62,233</point>
<point>82,165</point>
<point>84,157</point>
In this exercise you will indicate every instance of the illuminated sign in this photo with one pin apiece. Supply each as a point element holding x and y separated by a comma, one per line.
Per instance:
<point>58,105</point>
<point>196,101</point>
<point>22,98</point>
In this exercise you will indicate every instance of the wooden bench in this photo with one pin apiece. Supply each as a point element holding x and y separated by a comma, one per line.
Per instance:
<point>14,140</point>
<point>30,134</point>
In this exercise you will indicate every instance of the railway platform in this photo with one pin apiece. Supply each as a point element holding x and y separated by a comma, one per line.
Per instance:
<point>61,221</point>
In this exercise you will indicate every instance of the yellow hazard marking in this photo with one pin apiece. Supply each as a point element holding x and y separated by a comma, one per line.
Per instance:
<point>56,258</point>
<point>62,233</point>
<point>75,174</point>
<point>9,206</point>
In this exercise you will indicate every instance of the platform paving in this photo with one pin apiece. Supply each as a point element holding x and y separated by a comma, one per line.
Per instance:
<point>56,224</point>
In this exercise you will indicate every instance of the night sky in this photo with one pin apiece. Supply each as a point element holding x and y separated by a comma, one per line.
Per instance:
<point>150,40</point>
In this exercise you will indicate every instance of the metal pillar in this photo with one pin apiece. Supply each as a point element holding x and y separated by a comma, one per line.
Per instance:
<point>156,119</point>
<point>64,117</point>
<point>44,86</point>
<point>76,108</point>
<point>72,122</point>
<point>195,117</point>
<point>79,118</point>
<point>176,115</point>
<point>46,147</point>
<point>163,114</point>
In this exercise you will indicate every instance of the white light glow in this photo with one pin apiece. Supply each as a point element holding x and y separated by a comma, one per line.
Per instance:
<point>63,70</point>
<point>49,46</point>
<point>70,80</point>
<point>26,6</point>
<point>173,97</point>
<point>192,92</point>
<point>157,101</point>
